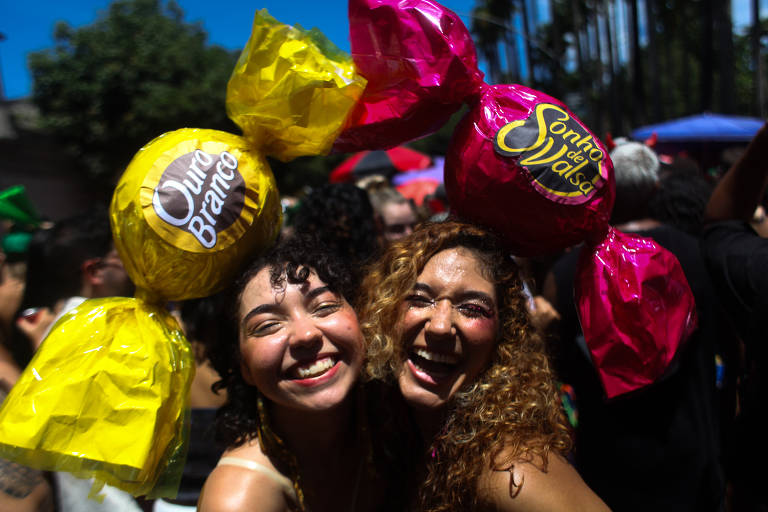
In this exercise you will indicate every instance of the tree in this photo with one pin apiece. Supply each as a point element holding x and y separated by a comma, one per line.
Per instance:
<point>107,89</point>
<point>758,67</point>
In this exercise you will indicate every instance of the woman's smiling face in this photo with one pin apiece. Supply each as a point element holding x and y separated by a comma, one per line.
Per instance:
<point>448,327</point>
<point>300,344</point>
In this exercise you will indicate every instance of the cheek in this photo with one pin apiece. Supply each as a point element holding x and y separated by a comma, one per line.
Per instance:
<point>259,360</point>
<point>407,327</point>
<point>344,332</point>
<point>410,318</point>
<point>481,335</point>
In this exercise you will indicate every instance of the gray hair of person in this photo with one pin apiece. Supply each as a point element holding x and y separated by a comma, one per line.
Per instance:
<point>636,169</point>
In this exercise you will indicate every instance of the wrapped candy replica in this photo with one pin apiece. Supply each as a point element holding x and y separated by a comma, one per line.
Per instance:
<point>291,90</point>
<point>522,164</point>
<point>105,395</point>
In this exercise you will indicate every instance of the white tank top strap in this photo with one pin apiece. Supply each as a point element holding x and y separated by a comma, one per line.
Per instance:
<point>284,482</point>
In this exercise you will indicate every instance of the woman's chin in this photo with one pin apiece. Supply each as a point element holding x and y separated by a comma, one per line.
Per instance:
<point>423,395</point>
<point>318,396</point>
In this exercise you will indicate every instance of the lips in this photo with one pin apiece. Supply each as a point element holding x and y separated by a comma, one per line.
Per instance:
<point>315,372</point>
<point>313,368</point>
<point>432,367</point>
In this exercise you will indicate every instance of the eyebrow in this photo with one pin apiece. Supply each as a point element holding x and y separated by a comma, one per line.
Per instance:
<point>263,308</point>
<point>319,291</point>
<point>271,308</point>
<point>468,295</point>
<point>422,287</point>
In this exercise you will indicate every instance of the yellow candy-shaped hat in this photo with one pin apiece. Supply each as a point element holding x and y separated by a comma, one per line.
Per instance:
<point>291,89</point>
<point>191,205</point>
<point>104,397</point>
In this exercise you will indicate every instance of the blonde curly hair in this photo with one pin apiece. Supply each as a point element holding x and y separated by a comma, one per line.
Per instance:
<point>511,412</point>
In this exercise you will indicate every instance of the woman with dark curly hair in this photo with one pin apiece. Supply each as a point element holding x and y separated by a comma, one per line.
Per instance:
<point>292,421</point>
<point>444,316</point>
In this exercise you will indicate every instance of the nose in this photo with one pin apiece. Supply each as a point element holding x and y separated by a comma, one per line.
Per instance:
<point>305,332</point>
<point>440,321</point>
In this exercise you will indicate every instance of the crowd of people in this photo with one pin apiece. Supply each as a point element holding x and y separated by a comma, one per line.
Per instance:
<point>384,357</point>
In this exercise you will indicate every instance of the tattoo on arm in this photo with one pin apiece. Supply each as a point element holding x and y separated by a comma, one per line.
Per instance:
<point>18,481</point>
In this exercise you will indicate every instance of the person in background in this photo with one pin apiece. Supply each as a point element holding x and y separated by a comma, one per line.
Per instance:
<point>737,258</point>
<point>73,261</point>
<point>661,447</point>
<point>395,215</point>
<point>22,489</point>
<point>13,269</point>
<point>680,198</point>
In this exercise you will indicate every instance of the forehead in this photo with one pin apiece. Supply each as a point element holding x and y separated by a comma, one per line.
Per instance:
<point>259,289</point>
<point>397,211</point>
<point>457,267</point>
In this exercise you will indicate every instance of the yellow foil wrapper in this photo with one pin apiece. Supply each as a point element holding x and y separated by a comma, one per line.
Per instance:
<point>291,90</point>
<point>105,397</point>
<point>189,208</point>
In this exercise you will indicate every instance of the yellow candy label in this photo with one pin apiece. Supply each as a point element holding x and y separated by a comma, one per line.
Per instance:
<point>196,198</point>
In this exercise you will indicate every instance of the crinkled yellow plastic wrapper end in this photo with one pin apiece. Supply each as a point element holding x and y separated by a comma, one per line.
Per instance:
<point>291,90</point>
<point>220,203</point>
<point>105,397</point>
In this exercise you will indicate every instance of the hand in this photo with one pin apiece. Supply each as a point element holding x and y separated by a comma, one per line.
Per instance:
<point>543,313</point>
<point>35,325</point>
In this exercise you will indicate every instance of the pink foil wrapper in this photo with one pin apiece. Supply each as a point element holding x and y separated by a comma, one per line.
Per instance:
<point>535,209</point>
<point>420,63</point>
<point>636,310</point>
<point>523,164</point>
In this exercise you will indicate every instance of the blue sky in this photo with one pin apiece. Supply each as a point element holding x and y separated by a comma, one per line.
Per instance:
<point>28,26</point>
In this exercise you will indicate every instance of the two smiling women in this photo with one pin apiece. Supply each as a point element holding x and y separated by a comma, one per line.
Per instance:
<point>446,330</point>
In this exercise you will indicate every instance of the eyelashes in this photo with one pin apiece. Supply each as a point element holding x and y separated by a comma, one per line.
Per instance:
<point>475,310</point>
<point>467,309</point>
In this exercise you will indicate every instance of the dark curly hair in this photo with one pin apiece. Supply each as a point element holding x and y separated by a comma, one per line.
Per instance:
<point>291,260</point>
<point>681,200</point>
<point>512,408</point>
<point>341,216</point>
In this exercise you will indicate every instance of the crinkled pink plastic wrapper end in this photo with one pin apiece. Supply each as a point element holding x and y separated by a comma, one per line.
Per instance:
<point>636,310</point>
<point>421,66</point>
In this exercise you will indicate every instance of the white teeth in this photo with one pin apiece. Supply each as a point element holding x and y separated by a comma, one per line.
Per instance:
<point>317,368</point>
<point>434,356</point>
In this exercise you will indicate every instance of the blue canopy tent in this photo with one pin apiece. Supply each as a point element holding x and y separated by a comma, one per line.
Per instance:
<point>704,127</point>
<point>712,140</point>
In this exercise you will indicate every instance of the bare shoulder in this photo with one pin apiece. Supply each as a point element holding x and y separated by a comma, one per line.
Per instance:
<point>233,488</point>
<point>525,487</point>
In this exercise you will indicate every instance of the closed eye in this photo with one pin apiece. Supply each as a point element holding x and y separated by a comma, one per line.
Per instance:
<point>419,301</point>
<point>263,328</point>
<point>474,310</point>
<point>327,308</point>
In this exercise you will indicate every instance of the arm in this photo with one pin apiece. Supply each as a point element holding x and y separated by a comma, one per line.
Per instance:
<point>23,489</point>
<point>739,191</point>
<point>524,487</point>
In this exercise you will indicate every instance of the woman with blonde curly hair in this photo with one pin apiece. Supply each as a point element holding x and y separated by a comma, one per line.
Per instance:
<point>445,318</point>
